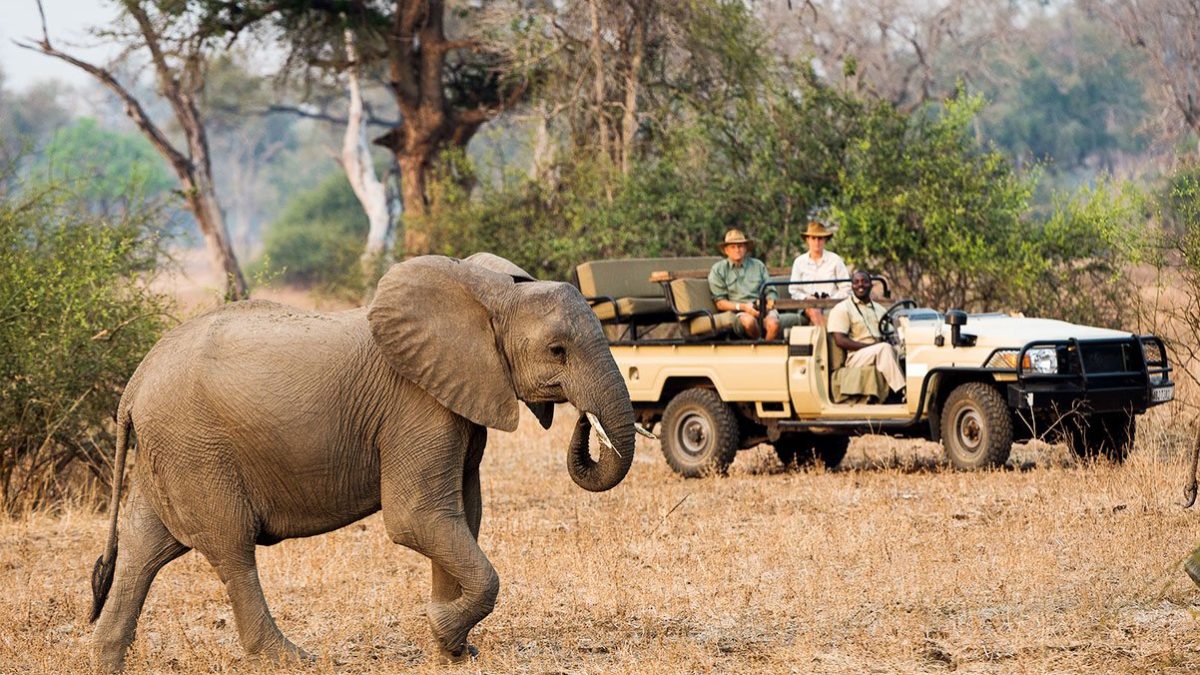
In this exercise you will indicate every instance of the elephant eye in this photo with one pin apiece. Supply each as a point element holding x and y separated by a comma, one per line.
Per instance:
<point>558,351</point>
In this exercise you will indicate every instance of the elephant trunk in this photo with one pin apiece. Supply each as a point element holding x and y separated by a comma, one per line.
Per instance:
<point>608,402</point>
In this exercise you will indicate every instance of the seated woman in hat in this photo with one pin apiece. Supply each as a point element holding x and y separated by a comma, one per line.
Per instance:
<point>818,265</point>
<point>735,282</point>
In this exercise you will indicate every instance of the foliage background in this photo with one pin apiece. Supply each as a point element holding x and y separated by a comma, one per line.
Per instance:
<point>76,317</point>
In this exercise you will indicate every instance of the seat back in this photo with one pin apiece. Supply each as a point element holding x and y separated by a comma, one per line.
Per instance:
<point>694,295</point>
<point>631,277</point>
<point>837,355</point>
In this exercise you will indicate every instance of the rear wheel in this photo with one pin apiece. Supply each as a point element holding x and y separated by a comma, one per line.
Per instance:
<point>805,448</point>
<point>831,450</point>
<point>1109,435</point>
<point>700,433</point>
<point>976,427</point>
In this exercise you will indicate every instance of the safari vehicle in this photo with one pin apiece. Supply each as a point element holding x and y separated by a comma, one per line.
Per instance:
<point>975,382</point>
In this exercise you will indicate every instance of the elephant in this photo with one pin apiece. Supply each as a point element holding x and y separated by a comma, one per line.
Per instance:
<point>258,422</point>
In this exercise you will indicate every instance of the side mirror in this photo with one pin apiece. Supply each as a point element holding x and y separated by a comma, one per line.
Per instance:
<point>956,319</point>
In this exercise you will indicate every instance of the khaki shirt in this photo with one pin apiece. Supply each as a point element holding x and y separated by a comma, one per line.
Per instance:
<point>739,283</point>
<point>858,320</point>
<point>831,266</point>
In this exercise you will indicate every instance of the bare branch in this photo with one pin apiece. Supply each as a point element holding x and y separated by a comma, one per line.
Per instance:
<point>132,107</point>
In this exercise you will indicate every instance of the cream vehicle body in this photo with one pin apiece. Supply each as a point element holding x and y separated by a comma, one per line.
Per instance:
<point>976,383</point>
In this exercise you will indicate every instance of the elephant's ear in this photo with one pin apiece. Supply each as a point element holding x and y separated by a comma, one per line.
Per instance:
<point>430,317</point>
<point>495,263</point>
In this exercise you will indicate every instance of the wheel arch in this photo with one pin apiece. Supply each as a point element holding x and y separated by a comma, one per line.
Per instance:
<point>944,381</point>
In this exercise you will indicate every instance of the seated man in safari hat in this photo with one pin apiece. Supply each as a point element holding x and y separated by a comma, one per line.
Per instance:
<point>734,283</point>
<point>818,265</point>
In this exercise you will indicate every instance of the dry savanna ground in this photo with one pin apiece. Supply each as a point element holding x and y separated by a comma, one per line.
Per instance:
<point>892,563</point>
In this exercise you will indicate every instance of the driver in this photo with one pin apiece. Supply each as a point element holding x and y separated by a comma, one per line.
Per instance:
<point>854,324</point>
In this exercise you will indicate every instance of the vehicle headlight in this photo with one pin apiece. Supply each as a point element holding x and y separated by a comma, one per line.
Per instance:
<point>1041,360</point>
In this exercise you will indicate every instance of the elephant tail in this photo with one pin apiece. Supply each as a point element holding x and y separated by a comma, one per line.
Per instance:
<point>102,573</point>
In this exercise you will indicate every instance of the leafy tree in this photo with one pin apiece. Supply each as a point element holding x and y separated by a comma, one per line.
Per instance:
<point>104,164</point>
<point>27,121</point>
<point>921,202</point>
<point>317,239</point>
<point>76,317</point>
<point>179,54</point>
<point>1071,95</point>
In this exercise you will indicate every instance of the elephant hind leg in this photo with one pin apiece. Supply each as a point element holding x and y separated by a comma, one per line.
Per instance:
<point>259,635</point>
<point>145,547</point>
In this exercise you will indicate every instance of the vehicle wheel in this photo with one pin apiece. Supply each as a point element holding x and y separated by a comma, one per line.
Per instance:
<point>976,427</point>
<point>790,446</point>
<point>806,448</point>
<point>699,433</point>
<point>830,449</point>
<point>1108,435</point>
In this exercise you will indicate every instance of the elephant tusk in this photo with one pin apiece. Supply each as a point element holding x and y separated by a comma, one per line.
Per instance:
<point>644,431</point>
<point>595,421</point>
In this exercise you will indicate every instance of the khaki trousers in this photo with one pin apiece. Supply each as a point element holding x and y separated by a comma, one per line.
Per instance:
<point>883,356</point>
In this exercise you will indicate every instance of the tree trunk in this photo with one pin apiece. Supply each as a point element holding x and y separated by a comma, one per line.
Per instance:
<point>412,190</point>
<point>360,170</point>
<point>598,79</point>
<point>637,49</point>
<point>180,76</point>
<point>202,202</point>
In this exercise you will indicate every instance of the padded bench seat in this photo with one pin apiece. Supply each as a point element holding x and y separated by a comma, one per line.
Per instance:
<point>620,291</point>
<point>631,307</point>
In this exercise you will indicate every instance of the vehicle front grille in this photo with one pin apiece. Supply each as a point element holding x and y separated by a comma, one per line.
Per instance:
<point>1120,363</point>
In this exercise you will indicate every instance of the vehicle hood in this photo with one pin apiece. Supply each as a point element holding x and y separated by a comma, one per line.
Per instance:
<point>1011,331</point>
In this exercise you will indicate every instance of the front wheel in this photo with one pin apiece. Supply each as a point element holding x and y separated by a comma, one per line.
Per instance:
<point>699,433</point>
<point>1109,435</point>
<point>976,427</point>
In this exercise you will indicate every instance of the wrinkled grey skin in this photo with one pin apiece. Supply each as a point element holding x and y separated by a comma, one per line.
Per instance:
<point>258,422</point>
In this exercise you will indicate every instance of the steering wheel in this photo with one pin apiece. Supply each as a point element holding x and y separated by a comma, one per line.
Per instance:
<point>887,322</point>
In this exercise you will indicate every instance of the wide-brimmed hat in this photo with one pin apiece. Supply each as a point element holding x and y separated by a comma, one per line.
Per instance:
<point>735,236</point>
<point>817,229</point>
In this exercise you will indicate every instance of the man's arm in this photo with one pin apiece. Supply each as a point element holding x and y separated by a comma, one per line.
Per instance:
<point>838,325</point>
<point>772,291</point>
<point>842,340</point>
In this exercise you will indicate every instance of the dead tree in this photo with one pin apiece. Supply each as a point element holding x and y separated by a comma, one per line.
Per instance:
<point>179,67</point>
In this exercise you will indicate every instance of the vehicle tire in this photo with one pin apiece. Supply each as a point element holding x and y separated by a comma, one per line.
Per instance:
<point>976,427</point>
<point>805,448</point>
<point>791,446</point>
<point>1108,435</point>
<point>831,450</point>
<point>699,433</point>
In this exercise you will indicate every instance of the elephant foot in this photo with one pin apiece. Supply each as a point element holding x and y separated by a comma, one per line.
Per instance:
<point>284,652</point>
<point>466,652</point>
<point>449,635</point>
<point>108,658</point>
<point>1192,566</point>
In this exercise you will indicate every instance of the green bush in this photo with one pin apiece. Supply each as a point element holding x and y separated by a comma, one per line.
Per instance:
<point>76,317</point>
<point>318,239</point>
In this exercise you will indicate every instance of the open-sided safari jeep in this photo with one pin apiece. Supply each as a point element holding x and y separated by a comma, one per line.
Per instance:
<point>977,383</point>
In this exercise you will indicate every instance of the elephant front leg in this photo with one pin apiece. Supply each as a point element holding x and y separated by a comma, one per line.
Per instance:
<point>465,585</point>
<point>446,588</point>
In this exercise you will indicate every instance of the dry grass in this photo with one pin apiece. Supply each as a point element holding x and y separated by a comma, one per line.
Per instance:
<point>892,564</point>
